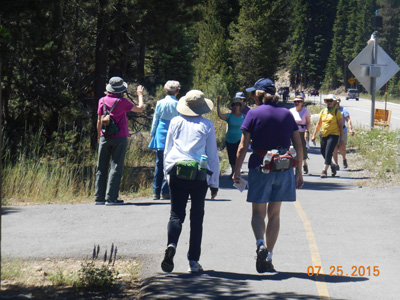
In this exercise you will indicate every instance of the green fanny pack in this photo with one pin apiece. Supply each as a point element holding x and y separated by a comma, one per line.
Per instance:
<point>190,170</point>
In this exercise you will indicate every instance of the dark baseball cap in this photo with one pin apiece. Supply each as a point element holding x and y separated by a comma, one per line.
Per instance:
<point>263,84</point>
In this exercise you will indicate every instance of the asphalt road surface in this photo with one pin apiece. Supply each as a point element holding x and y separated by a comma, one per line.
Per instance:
<point>349,234</point>
<point>360,111</point>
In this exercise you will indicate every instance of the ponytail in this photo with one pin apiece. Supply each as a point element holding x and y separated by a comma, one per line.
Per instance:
<point>266,98</point>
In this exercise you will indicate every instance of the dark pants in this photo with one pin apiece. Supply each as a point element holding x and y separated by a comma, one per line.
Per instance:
<point>180,189</point>
<point>328,144</point>
<point>232,150</point>
<point>160,186</point>
<point>107,182</point>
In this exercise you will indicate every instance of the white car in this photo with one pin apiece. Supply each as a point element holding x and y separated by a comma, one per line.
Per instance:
<point>352,94</point>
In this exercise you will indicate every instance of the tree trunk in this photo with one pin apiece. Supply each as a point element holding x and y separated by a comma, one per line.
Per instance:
<point>100,67</point>
<point>140,64</point>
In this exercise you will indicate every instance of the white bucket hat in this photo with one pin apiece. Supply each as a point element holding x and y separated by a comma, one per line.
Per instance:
<point>194,104</point>
<point>330,97</point>
<point>116,85</point>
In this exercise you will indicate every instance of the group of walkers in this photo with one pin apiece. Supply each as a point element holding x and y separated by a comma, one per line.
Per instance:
<point>187,162</point>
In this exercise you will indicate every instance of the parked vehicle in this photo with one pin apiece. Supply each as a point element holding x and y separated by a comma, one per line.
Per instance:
<point>314,93</point>
<point>352,94</point>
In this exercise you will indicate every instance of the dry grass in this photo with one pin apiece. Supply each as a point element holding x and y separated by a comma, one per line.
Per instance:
<point>35,279</point>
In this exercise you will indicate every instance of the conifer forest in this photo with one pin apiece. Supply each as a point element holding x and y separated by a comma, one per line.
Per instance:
<point>57,56</point>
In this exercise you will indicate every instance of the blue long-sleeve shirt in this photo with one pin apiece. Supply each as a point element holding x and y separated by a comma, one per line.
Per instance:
<point>165,110</point>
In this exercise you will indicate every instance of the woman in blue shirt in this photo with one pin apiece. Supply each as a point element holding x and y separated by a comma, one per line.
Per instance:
<point>165,111</point>
<point>234,133</point>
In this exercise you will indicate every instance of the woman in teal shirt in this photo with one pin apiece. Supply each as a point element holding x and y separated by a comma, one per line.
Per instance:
<point>233,135</point>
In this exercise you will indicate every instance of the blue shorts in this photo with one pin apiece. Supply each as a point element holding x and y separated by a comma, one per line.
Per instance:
<point>272,187</point>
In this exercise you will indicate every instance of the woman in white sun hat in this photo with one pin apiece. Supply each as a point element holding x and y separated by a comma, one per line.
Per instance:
<point>331,124</point>
<point>190,136</point>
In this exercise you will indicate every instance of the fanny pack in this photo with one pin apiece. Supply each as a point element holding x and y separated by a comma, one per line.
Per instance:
<point>190,170</point>
<point>276,160</point>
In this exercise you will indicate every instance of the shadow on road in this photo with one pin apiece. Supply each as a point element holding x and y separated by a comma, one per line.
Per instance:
<point>227,285</point>
<point>8,210</point>
<point>326,186</point>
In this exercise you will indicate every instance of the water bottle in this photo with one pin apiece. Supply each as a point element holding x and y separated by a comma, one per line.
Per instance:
<point>203,167</point>
<point>266,161</point>
<point>293,152</point>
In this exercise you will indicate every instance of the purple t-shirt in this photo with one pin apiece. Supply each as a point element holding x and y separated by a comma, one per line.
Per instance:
<point>270,126</point>
<point>118,114</point>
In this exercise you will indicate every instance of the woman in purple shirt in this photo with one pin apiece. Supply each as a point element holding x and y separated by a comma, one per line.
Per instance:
<point>269,127</point>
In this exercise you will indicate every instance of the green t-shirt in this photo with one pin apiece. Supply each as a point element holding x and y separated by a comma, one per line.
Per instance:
<point>234,133</point>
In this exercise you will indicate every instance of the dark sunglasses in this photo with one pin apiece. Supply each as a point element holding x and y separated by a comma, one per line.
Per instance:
<point>297,102</point>
<point>235,104</point>
<point>328,101</point>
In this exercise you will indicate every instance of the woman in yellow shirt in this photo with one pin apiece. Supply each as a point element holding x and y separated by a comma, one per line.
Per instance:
<point>331,124</point>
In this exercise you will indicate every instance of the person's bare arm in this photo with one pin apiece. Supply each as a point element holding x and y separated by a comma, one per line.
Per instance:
<point>139,107</point>
<point>296,141</point>
<point>241,154</point>
<point>317,127</point>
<point>350,125</point>
<point>221,115</point>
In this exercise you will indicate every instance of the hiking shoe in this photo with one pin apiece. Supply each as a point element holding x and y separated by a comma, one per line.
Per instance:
<point>194,266</point>
<point>333,169</point>
<point>167,265</point>
<point>115,202</point>
<point>305,169</point>
<point>270,267</point>
<point>100,202</point>
<point>261,262</point>
<point>323,174</point>
<point>156,197</point>
<point>337,167</point>
<point>165,197</point>
<point>345,163</point>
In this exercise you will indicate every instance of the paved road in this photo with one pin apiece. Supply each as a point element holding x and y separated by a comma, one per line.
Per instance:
<point>334,223</point>
<point>360,111</point>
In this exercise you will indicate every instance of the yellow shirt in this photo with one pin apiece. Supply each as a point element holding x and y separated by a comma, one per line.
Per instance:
<point>329,124</point>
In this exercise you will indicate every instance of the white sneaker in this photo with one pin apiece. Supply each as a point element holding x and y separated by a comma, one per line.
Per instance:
<point>194,266</point>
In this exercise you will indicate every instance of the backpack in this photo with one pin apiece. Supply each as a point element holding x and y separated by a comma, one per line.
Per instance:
<point>108,126</point>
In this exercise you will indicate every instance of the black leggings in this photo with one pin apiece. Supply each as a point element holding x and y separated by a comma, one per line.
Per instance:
<point>328,144</point>
<point>180,190</point>
<point>232,150</point>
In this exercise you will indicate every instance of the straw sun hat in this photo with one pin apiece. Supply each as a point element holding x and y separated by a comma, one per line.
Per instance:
<point>194,104</point>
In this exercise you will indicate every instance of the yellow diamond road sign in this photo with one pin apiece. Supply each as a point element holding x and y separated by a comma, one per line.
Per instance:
<point>351,80</point>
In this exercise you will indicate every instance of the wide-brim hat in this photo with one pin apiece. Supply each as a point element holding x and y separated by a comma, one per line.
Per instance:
<point>298,98</point>
<point>263,84</point>
<point>194,104</point>
<point>236,100</point>
<point>239,95</point>
<point>330,97</point>
<point>116,85</point>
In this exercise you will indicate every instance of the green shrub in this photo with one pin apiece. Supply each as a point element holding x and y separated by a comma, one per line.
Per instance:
<point>379,148</point>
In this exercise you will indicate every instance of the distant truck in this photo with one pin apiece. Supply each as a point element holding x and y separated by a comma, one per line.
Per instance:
<point>352,94</point>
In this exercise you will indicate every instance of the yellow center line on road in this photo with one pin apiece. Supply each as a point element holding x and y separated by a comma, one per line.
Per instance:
<point>315,257</point>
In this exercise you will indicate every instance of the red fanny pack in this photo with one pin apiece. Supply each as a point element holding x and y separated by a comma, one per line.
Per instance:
<point>276,160</point>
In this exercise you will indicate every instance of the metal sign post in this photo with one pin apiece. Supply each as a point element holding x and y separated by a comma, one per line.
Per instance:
<point>373,79</point>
